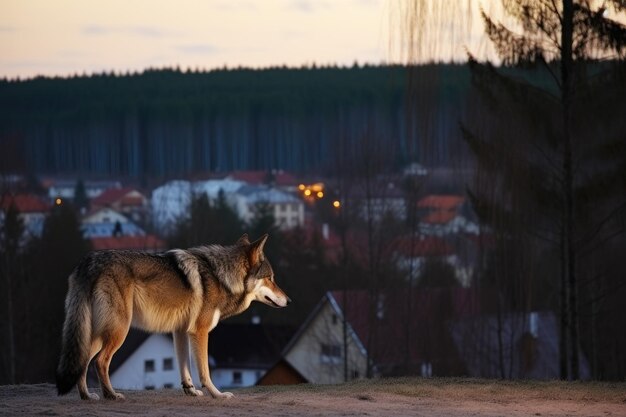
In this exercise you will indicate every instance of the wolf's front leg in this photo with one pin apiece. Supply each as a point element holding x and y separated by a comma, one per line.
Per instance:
<point>200,347</point>
<point>181,341</point>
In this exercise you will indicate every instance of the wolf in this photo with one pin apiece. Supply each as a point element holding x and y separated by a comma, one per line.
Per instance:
<point>182,291</point>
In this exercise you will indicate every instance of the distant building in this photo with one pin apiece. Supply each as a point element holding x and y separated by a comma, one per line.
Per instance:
<point>288,210</point>
<point>442,215</point>
<point>32,211</point>
<point>107,222</point>
<point>240,354</point>
<point>170,202</point>
<point>316,351</point>
<point>128,201</point>
<point>64,188</point>
<point>274,178</point>
<point>512,346</point>
<point>412,254</point>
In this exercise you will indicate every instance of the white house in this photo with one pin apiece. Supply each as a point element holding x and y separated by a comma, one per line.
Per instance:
<point>288,210</point>
<point>103,222</point>
<point>65,188</point>
<point>32,211</point>
<point>239,354</point>
<point>169,202</point>
<point>317,350</point>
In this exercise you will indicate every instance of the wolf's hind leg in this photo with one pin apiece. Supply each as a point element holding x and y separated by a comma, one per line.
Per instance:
<point>82,382</point>
<point>111,341</point>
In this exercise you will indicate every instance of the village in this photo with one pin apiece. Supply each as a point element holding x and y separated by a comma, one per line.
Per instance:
<point>453,328</point>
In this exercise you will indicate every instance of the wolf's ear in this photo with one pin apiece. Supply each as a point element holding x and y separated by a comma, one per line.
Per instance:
<point>256,250</point>
<point>243,240</point>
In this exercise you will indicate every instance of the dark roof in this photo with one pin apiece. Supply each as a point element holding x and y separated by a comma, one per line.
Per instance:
<point>250,345</point>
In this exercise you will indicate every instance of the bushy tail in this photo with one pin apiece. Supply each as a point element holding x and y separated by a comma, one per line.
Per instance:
<point>76,337</point>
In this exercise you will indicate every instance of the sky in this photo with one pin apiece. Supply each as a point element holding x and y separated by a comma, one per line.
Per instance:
<point>65,37</point>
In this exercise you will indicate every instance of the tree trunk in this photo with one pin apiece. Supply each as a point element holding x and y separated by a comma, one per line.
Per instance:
<point>566,79</point>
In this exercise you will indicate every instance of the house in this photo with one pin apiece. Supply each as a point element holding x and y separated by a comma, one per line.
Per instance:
<point>276,178</point>
<point>287,209</point>
<point>442,215</point>
<point>383,197</point>
<point>316,352</point>
<point>512,345</point>
<point>32,211</point>
<point>128,201</point>
<point>170,201</point>
<point>412,254</point>
<point>107,222</point>
<point>240,354</point>
<point>64,188</point>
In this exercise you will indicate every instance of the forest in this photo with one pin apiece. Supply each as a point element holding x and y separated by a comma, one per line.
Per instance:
<point>168,122</point>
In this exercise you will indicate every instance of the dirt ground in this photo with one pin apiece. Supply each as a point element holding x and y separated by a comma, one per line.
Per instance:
<point>382,397</point>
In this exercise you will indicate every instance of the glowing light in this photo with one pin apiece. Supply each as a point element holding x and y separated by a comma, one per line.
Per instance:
<point>319,186</point>
<point>320,194</point>
<point>58,201</point>
<point>307,192</point>
<point>301,187</point>
<point>336,204</point>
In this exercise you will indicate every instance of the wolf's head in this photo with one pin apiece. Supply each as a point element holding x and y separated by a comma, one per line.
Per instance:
<point>260,280</point>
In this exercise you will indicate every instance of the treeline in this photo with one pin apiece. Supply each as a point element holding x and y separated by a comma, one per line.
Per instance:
<point>168,122</point>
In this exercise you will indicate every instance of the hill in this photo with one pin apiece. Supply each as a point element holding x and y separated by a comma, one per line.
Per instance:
<point>168,122</point>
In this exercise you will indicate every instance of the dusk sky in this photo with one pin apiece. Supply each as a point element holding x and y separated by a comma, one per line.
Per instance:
<point>65,37</point>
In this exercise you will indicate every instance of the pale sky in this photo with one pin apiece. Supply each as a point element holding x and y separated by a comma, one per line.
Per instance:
<point>62,37</point>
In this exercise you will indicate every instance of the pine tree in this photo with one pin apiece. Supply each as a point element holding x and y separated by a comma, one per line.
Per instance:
<point>539,175</point>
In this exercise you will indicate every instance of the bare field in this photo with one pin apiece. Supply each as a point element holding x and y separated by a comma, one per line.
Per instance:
<point>381,397</point>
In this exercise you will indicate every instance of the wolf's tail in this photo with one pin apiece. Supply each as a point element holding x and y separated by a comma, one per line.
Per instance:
<point>76,335</point>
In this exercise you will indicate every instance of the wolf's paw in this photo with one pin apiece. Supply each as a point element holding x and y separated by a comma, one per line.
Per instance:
<point>192,391</point>
<point>114,396</point>
<point>225,395</point>
<point>90,396</point>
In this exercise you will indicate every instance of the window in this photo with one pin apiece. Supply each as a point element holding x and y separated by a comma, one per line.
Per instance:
<point>237,379</point>
<point>355,374</point>
<point>168,385</point>
<point>148,366</point>
<point>334,319</point>
<point>330,353</point>
<point>168,364</point>
<point>149,387</point>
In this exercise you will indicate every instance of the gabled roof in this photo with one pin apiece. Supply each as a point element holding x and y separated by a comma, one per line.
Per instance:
<point>249,345</point>
<point>441,201</point>
<point>112,195</point>
<point>328,298</point>
<point>439,217</point>
<point>147,242</point>
<point>25,203</point>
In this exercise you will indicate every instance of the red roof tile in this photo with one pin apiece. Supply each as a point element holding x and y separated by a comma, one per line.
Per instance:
<point>25,203</point>
<point>112,195</point>
<point>441,202</point>
<point>148,242</point>
<point>439,217</point>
